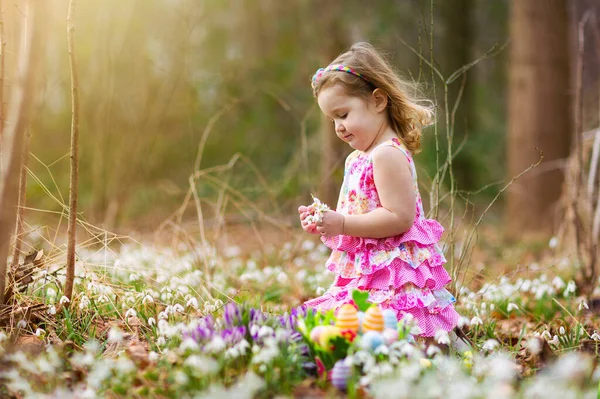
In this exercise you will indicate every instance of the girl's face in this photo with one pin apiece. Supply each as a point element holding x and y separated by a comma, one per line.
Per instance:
<point>359,122</point>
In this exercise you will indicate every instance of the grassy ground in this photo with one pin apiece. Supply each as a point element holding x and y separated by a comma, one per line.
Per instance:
<point>136,326</point>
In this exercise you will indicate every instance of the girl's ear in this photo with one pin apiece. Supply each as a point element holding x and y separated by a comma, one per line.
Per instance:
<point>380,99</point>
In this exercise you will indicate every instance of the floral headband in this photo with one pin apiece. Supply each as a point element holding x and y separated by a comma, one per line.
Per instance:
<point>334,67</point>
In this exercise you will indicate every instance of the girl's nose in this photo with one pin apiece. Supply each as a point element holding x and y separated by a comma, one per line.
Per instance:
<point>339,127</point>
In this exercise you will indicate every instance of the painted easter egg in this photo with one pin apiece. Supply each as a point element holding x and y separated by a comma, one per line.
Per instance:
<point>371,340</point>
<point>347,318</point>
<point>328,333</point>
<point>389,319</point>
<point>315,333</point>
<point>389,336</point>
<point>340,375</point>
<point>373,320</point>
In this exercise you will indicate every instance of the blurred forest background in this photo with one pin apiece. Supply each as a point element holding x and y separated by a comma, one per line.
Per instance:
<point>164,80</point>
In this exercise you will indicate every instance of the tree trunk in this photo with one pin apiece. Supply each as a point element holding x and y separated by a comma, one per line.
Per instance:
<point>539,113</point>
<point>458,42</point>
<point>333,150</point>
<point>74,151</point>
<point>22,98</point>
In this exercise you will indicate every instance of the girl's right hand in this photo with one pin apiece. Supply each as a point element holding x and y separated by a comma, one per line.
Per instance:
<point>304,211</point>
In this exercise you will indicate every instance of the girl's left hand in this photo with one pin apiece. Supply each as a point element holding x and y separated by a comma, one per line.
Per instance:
<point>332,224</point>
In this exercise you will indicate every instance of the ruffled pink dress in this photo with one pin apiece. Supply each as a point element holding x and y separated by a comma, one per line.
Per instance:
<point>404,273</point>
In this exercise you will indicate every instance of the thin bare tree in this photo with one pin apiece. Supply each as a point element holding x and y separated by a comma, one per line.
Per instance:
<point>74,154</point>
<point>22,98</point>
<point>21,201</point>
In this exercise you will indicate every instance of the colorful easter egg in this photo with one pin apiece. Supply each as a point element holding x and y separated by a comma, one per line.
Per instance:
<point>389,319</point>
<point>328,333</point>
<point>371,340</point>
<point>340,375</point>
<point>347,318</point>
<point>373,320</point>
<point>315,333</point>
<point>389,336</point>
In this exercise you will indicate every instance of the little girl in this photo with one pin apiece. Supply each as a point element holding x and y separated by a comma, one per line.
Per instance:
<point>380,238</point>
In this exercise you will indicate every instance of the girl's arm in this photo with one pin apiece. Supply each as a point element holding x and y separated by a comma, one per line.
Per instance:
<point>395,187</point>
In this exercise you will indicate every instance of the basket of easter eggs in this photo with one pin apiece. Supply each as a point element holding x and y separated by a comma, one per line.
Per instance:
<point>357,325</point>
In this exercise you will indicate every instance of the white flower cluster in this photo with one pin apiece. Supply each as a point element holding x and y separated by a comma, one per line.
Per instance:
<point>319,209</point>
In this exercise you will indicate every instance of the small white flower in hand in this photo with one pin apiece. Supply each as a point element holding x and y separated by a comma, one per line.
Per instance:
<point>319,209</point>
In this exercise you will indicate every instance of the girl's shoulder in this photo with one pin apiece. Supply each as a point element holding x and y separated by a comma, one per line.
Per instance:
<point>396,143</point>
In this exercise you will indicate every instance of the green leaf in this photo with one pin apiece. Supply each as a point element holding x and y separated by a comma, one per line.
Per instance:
<point>360,299</point>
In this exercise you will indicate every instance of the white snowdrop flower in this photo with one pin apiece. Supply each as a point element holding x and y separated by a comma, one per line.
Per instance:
<point>218,303</point>
<point>84,302</point>
<point>555,340</point>
<point>133,277</point>
<point>254,329</point>
<point>534,346</point>
<point>282,277</point>
<point>558,283</point>
<point>51,310</point>
<point>205,365</point>
<point>151,321</point>
<point>442,337</point>
<point>415,330</point>
<point>21,324</point>
<point>490,345</point>
<point>320,290</point>
<point>595,336</point>
<point>178,308</point>
<point>483,305</point>
<point>492,306</point>
<point>546,335</point>
<point>147,299</point>
<point>161,341</point>
<point>3,336</point>
<point>265,331</point>
<point>192,302</point>
<point>51,292</point>
<point>301,275</point>
<point>232,353</point>
<point>163,316</point>
<point>511,306</point>
<point>114,334</point>
<point>583,304</point>
<point>476,321</point>
<point>526,286</point>
<point>571,288</point>
<point>382,350</point>
<point>40,332</point>
<point>64,299</point>
<point>561,330</point>
<point>243,346</point>
<point>553,242</point>
<point>463,321</point>
<point>216,345</point>
<point>189,343</point>
<point>153,356</point>
<point>255,349</point>
<point>308,245</point>
<point>433,350</point>
<point>102,298</point>
<point>163,325</point>
<point>130,313</point>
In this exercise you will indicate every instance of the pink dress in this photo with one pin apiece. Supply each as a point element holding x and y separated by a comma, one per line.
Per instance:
<point>405,272</point>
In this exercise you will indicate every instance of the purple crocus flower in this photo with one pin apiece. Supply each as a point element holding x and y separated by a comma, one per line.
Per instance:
<point>232,314</point>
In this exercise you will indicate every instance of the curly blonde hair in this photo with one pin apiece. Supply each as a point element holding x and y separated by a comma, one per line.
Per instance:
<point>408,111</point>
